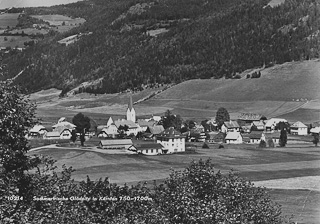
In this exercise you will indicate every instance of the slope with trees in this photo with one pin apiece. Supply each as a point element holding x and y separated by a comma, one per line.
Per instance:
<point>206,39</point>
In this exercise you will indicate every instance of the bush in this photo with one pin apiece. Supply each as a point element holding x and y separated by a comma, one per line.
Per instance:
<point>270,143</point>
<point>262,144</point>
<point>205,145</point>
<point>221,146</point>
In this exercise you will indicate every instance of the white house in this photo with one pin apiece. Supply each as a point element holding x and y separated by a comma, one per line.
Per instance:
<point>65,124</point>
<point>299,128</point>
<point>37,131</point>
<point>234,138</point>
<point>230,126</point>
<point>272,123</point>
<point>110,131</point>
<point>171,140</point>
<point>59,133</point>
<point>256,137</point>
<point>147,148</point>
<point>133,128</point>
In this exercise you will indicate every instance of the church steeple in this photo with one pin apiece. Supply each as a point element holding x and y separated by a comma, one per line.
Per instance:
<point>131,114</point>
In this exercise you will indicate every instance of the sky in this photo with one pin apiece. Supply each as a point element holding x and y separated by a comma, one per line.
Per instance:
<point>32,3</point>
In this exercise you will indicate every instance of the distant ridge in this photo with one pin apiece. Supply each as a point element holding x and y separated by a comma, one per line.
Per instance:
<point>32,3</point>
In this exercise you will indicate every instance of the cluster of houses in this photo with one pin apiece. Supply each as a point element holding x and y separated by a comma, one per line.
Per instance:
<point>248,128</point>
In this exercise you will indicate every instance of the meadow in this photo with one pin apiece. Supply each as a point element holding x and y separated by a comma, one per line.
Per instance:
<point>8,19</point>
<point>63,23</point>
<point>13,41</point>
<point>266,166</point>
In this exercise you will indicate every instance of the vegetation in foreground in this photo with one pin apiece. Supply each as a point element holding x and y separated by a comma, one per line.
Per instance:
<point>32,192</point>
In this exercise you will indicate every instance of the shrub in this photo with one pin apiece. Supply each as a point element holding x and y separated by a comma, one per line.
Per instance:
<point>205,145</point>
<point>262,144</point>
<point>270,143</point>
<point>221,146</point>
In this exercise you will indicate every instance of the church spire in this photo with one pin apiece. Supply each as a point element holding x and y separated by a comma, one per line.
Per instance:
<point>130,104</point>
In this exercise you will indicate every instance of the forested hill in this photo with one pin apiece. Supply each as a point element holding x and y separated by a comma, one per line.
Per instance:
<point>198,39</point>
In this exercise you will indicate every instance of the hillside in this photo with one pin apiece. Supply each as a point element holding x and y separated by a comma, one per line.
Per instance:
<point>289,90</point>
<point>136,44</point>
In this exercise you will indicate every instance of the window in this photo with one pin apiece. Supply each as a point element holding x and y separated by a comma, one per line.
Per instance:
<point>146,150</point>
<point>151,150</point>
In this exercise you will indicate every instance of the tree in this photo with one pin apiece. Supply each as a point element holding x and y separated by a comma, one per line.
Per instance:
<point>171,120</point>
<point>262,144</point>
<point>283,138</point>
<point>200,195</point>
<point>82,122</point>
<point>222,115</point>
<point>315,139</point>
<point>122,130</point>
<point>73,136</point>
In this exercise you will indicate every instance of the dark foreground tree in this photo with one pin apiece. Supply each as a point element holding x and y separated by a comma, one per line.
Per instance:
<point>283,138</point>
<point>222,115</point>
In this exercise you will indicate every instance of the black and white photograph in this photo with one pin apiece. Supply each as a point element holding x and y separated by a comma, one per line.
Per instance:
<point>159,111</point>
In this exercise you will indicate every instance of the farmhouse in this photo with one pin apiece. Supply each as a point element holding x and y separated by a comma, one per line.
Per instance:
<point>256,137</point>
<point>258,125</point>
<point>109,131</point>
<point>133,128</point>
<point>65,124</point>
<point>144,124</point>
<point>234,138</point>
<point>171,140</point>
<point>59,133</point>
<point>37,131</point>
<point>250,117</point>
<point>115,143</point>
<point>147,148</point>
<point>152,131</point>
<point>230,126</point>
<point>299,128</point>
<point>275,136</point>
<point>272,123</point>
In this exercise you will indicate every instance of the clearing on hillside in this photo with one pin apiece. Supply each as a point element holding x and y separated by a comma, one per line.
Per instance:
<point>8,19</point>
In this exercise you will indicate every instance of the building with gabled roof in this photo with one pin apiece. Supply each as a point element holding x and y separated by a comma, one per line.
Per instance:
<point>234,138</point>
<point>256,137</point>
<point>146,148</point>
<point>298,128</point>
<point>115,143</point>
<point>230,126</point>
<point>172,140</point>
<point>65,124</point>
<point>59,132</point>
<point>133,128</point>
<point>37,131</point>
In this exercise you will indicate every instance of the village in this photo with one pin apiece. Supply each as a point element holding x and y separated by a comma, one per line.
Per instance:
<point>152,137</point>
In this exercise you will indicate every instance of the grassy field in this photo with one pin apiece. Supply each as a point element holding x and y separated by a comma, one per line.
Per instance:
<point>300,162</point>
<point>274,3</point>
<point>63,23</point>
<point>13,41</point>
<point>9,19</point>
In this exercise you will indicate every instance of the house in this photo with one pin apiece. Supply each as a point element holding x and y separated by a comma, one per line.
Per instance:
<point>215,137</point>
<point>315,130</point>
<point>133,128</point>
<point>37,131</point>
<point>115,143</point>
<point>258,125</point>
<point>256,137</point>
<point>234,137</point>
<point>65,124</point>
<point>272,123</point>
<point>59,133</point>
<point>299,128</point>
<point>275,136</point>
<point>230,126</point>
<point>109,131</point>
<point>171,140</point>
<point>144,124</point>
<point>146,148</point>
<point>153,131</point>
<point>250,117</point>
